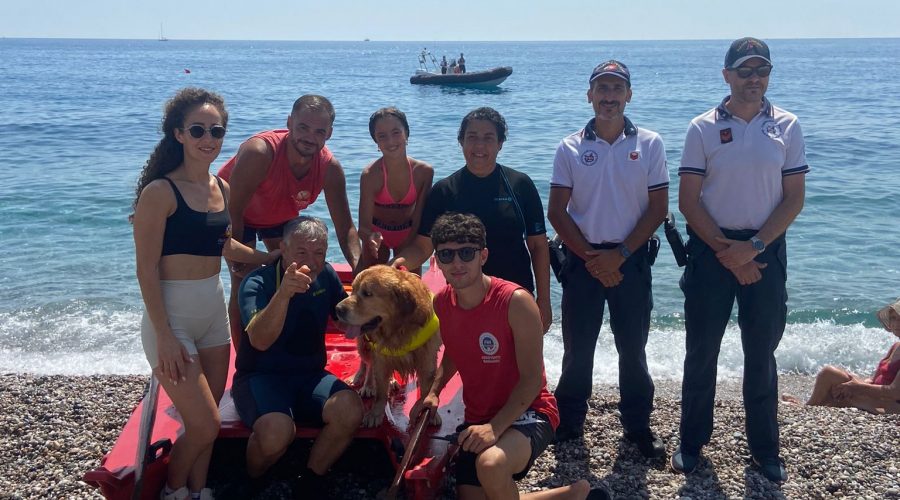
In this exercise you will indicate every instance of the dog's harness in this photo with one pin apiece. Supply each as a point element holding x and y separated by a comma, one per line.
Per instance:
<point>418,340</point>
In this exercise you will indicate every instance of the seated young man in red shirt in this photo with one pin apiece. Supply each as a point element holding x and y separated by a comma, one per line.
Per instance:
<point>493,336</point>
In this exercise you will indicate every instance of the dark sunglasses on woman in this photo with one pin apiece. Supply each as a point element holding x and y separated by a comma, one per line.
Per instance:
<point>198,131</point>
<point>746,71</point>
<point>466,254</point>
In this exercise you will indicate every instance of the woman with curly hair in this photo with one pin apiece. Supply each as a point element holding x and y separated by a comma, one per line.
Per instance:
<point>181,231</point>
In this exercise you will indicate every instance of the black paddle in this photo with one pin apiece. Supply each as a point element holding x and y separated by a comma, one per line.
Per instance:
<point>148,417</point>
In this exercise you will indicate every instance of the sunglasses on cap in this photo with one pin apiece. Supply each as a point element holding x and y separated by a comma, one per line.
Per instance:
<point>746,71</point>
<point>466,254</point>
<point>198,131</point>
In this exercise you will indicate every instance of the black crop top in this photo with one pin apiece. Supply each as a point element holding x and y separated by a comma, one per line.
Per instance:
<point>196,233</point>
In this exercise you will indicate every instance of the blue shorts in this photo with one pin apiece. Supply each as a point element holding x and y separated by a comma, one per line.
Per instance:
<point>534,425</point>
<point>251,234</point>
<point>302,397</point>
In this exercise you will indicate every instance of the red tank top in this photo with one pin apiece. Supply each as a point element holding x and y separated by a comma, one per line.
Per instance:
<point>281,196</point>
<point>887,371</point>
<point>480,342</point>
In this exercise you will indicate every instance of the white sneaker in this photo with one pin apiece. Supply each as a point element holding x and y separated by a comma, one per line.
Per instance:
<point>207,494</point>
<point>180,494</point>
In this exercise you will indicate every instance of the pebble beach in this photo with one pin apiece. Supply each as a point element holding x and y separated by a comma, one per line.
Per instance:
<point>54,428</point>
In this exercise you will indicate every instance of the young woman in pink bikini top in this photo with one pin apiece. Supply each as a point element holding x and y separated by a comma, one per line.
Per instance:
<point>392,190</point>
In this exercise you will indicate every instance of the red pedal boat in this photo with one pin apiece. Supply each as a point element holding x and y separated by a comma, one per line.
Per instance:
<point>116,476</point>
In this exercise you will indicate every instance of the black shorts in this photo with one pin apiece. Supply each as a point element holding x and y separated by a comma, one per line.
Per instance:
<point>534,425</point>
<point>302,397</point>
<point>251,234</point>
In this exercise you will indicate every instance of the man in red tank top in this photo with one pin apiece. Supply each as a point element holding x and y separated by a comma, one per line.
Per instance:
<point>493,337</point>
<point>276,174</point>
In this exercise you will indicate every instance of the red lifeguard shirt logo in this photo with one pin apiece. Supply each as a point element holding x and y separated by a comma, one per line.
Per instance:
<point>489,346</point>
<point>725,135</point>
<point>634,155</point>
<point>302,199</point>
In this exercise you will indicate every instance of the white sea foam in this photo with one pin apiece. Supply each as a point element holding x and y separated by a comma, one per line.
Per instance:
<point>77,339</point>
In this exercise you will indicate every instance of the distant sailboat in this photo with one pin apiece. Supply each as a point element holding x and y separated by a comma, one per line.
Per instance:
<point>162,38</point>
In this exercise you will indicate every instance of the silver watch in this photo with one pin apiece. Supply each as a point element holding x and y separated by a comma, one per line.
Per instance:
<point>758,244</point>
<point>624,251</point>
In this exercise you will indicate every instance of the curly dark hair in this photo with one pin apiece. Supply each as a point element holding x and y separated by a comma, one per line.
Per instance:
<point>169,153</point>
<point>454,227</point>
<point>384,113</point>
<point>484,113</point>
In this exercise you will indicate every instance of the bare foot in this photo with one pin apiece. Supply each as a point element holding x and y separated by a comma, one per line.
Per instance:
<point>787,398</point>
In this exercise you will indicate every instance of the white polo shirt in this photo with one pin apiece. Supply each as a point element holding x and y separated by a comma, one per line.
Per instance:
<point>610,183</point>
<point>743,163</point>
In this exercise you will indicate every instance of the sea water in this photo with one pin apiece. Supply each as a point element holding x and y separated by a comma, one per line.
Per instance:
<point>78,119</point>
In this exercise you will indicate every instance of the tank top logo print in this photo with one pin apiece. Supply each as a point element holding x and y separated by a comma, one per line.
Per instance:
<point>301,199</point>
<point>489,346</point>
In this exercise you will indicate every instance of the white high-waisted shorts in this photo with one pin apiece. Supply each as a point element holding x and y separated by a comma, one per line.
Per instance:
<point>197,316</point>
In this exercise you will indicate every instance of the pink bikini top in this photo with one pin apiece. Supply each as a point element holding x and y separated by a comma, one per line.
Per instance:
<point>887,371</point>
<point>384,198</point>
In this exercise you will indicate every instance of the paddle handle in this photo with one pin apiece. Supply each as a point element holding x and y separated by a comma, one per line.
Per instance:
<point>424,418</point>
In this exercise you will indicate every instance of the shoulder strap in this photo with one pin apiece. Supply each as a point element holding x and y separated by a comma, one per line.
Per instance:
<point>515,199</point>
<point>178,198</point>
<point>222,190</point>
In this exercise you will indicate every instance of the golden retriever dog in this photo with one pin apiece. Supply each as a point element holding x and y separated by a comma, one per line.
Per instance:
<point>390,314</point>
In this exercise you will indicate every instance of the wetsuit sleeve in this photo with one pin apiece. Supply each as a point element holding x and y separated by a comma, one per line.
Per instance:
<point>435,206</point>
<point>253,297</point>
<point>532,206</point>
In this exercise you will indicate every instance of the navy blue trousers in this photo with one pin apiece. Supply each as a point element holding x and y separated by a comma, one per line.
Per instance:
<point>709,294</point>
<point>630,304</point>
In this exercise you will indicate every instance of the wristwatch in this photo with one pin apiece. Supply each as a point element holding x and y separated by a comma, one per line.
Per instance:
<point>624,251</point>
<point>758,244</point>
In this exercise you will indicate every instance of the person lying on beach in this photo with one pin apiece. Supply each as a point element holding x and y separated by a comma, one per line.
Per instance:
<point>493,337</point>
<point>392,191</point>
<point>877,394</point>
<point>280,375</point>
<point>181,232</point>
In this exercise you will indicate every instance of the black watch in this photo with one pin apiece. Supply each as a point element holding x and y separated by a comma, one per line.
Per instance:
<point>624,251</point>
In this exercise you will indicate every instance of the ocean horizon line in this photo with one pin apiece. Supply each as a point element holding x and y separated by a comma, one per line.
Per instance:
<point>367,40</point>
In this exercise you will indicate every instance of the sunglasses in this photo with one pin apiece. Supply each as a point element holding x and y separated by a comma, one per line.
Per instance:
<point>198,131</point>
<point>466,254</point>
<point>747,72</point>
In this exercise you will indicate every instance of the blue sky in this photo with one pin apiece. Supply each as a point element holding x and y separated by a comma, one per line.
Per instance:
<point>433,20</point>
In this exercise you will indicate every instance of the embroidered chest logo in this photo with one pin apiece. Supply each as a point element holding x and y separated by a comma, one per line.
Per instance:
<point>302,199</point>
<point>771,129</point>
<point>489,346</point>
<point>634,155</point>
<point>725,136</point>
<point>589,157</point>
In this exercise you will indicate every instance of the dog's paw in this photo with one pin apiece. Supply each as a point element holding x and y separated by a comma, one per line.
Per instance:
<point>367,391</point>
<point>373,417</point>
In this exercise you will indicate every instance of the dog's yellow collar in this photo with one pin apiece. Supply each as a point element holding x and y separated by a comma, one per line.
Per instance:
<point>419,339</point>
